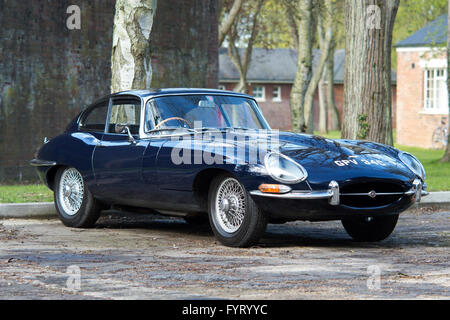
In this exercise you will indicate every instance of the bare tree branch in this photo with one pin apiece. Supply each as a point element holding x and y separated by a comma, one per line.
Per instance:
<point>243,63</point>
<point>226,24</point>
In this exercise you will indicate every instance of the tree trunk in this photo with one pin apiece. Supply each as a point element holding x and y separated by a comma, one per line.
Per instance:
<point>183,45</point>
<point>446,157</point>
<point>391,12</point>
<point>130,60</point>
<point>334,119</point>
<point>323,106</point>
<point>367,93</point>
<point>325,35</point>
<point>240,64</point>
<point>304,67</point>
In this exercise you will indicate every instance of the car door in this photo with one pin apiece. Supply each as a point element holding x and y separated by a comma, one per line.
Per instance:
<point>117,159</point>
<point>168,185</point>
<point>91,129</point>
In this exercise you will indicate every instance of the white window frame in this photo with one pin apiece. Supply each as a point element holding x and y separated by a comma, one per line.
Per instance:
<point>278,89</point>
<point>221,87</point>
<point>435,91</point>
<point>263,93</point>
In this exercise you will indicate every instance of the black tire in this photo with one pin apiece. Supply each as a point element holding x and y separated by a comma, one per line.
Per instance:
<point>377,229</point>
<point>86,215</point>
<point>252,226</point>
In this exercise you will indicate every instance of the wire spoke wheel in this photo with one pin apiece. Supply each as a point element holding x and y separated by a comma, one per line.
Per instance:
<point>230,205</point>
<point>71,191</point>
<point>234,216</point>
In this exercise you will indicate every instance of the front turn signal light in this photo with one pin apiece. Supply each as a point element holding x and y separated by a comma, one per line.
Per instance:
<point>274,188</point>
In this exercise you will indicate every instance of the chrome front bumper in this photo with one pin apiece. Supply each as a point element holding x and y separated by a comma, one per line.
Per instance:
<point>333,194</point>
<point>42,163</point>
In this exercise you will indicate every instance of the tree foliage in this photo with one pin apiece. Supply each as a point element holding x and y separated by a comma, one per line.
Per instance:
<point>273,27</point>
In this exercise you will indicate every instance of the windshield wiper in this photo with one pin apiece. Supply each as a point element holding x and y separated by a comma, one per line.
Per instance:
<point>202,129</point>
<point>222,128</point>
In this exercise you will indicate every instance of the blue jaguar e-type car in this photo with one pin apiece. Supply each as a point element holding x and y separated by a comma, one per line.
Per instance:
<point>201,153</point>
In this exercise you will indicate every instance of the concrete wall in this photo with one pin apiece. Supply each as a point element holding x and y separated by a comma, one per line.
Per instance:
<point>48,73</point>
<point>184,44</point>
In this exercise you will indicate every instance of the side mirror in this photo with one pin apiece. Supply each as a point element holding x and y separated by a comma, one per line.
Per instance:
<point>130,136</point>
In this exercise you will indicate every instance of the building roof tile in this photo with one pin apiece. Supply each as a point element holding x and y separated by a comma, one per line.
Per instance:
<point>432,34</point>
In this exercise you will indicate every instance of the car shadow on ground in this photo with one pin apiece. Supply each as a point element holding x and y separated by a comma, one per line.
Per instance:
<point>131,220</point>
<point>299,234</point>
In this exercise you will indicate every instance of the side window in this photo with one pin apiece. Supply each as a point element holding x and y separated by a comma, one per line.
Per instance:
<point>125,113</point>
<point>95,119</point>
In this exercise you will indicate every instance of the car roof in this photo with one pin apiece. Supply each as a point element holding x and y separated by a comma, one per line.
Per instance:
<point>166,91</point>
<point>175,91</point>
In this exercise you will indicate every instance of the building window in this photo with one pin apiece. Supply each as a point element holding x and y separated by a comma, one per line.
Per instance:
<point>276,93</point>
<point>221,87</point>
<point>259,92</point>
<point>436,96</point>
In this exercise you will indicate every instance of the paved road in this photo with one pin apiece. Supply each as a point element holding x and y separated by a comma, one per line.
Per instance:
<point>150,257</point>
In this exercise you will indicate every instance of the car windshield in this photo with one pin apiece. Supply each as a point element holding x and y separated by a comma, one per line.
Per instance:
<point>203,111</point>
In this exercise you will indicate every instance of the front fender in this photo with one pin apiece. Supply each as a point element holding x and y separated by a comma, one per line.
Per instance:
<point>71,150</point>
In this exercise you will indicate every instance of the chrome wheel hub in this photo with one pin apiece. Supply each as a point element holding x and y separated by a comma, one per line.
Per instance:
<point>230,205</point>
<point>225,205</point>
<point>71,191</point>
<point>67,191</point>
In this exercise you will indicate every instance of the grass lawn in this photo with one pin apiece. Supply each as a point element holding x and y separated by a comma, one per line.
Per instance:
<point>25,193</point>
<point>438,174</point>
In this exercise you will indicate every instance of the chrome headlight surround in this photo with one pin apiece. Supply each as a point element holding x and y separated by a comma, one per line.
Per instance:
<point>280,167</point>
<point>413,164</point>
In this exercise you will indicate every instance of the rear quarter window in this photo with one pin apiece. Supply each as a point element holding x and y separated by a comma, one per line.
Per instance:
<point>94,120</point>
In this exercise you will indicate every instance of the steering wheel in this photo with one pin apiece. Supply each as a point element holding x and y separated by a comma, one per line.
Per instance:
<point>173,118</point>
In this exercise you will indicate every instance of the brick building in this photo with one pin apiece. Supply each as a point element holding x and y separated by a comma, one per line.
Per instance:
<point>422,97</point>
<point>270,78</point>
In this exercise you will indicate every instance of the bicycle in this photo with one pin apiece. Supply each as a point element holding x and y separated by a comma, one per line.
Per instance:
<point>440,135</point>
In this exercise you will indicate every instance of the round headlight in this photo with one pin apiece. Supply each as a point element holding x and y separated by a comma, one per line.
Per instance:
<point>413,164</point>
<point>284,169</point>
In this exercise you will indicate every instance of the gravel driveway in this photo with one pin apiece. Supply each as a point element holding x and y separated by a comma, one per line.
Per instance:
<point>131,256</point>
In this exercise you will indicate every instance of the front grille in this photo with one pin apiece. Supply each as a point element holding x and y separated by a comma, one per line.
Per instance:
<point>357,194</point>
